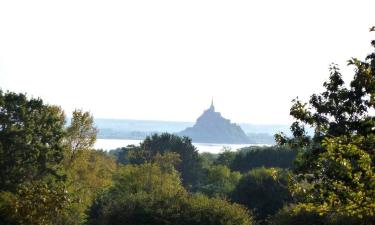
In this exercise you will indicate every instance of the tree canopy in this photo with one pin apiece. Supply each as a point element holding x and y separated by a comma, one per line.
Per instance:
<point>190,162</point>
<point>149,194</point>
<point>30,139</point>
<point>335,170</point>
<point>32,189</point>
<point>263,190</point>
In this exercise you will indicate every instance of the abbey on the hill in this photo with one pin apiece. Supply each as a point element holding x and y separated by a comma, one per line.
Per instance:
<point>211,127</point>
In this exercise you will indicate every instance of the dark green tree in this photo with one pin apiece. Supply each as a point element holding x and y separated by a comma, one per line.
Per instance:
<point>31,136</point>
<point>31,152</point>
<point>263,190</point>
<point>226,157</point>
<point>190,164</point>
<point>255,156</point>
<point>207,159</point>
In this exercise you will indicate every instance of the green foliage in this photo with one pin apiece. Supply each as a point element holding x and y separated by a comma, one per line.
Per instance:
<point>148,194</point>
<point>144,209</point>
<point>30,140</point>
<point>88,171</point>
<point>190,163</point>
<point>342,181</point>
<point>128,155</point>
<point>207,159</point>
<point>32,186</point>
<point>37,202</point>
<point>219,181</point>
<point>346,177</point>
<point>212,211</point>
<point>180,145</point>
<point>149,178</point>
<point>338,161</point>
<point>81,133</point>
<point>338,111</point>
<point>253,157</point>
<point>306,214</point>
<point>168,161</point>
<point>136,189</point>
<point>226,157</point>
<point>263,190</point>
<point>298,215</point>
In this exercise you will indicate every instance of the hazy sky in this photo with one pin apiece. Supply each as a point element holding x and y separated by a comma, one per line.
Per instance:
<point>165,60</point>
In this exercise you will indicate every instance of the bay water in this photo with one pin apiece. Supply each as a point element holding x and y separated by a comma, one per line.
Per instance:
<point>109,144</point>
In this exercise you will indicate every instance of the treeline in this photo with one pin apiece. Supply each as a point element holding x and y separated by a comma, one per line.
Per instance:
<point>50,173</point>
<point>263,191</point>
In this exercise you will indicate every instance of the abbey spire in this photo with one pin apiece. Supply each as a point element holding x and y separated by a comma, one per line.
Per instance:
<point>212,107</point>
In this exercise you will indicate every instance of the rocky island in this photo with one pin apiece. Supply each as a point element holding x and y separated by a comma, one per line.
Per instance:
<point>211,127</point>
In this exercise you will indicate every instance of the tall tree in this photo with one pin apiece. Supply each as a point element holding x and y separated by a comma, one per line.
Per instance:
<point>81,133</point>
<point>31,136</point>
<point>31,152</point>
<point>338,162</point>
<point>88,171</point>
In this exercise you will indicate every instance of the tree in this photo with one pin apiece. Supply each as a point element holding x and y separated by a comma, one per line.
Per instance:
<point>263,190</point>
<point>31,136</point>
<point>207,159</point>
<point>36,202</point>
<point>32,188</point>
<point>219,181</point>
<point>337,163</point>
<point>88,171</point>
<point>190,165</point>
<point>255,156</point>
<point>226,157</point>
<point>81,133</point>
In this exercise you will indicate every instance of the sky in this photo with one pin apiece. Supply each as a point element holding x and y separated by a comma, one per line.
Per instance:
<point>166,60</point>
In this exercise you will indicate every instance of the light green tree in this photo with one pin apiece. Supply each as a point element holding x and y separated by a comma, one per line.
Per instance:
<point>335,170</point>
<point>88,171</point>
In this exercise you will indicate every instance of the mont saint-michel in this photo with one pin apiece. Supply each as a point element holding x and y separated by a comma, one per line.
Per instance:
<point>211,127</point>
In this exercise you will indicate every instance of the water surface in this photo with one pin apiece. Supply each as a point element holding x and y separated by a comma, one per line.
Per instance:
<point>109,144</point>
